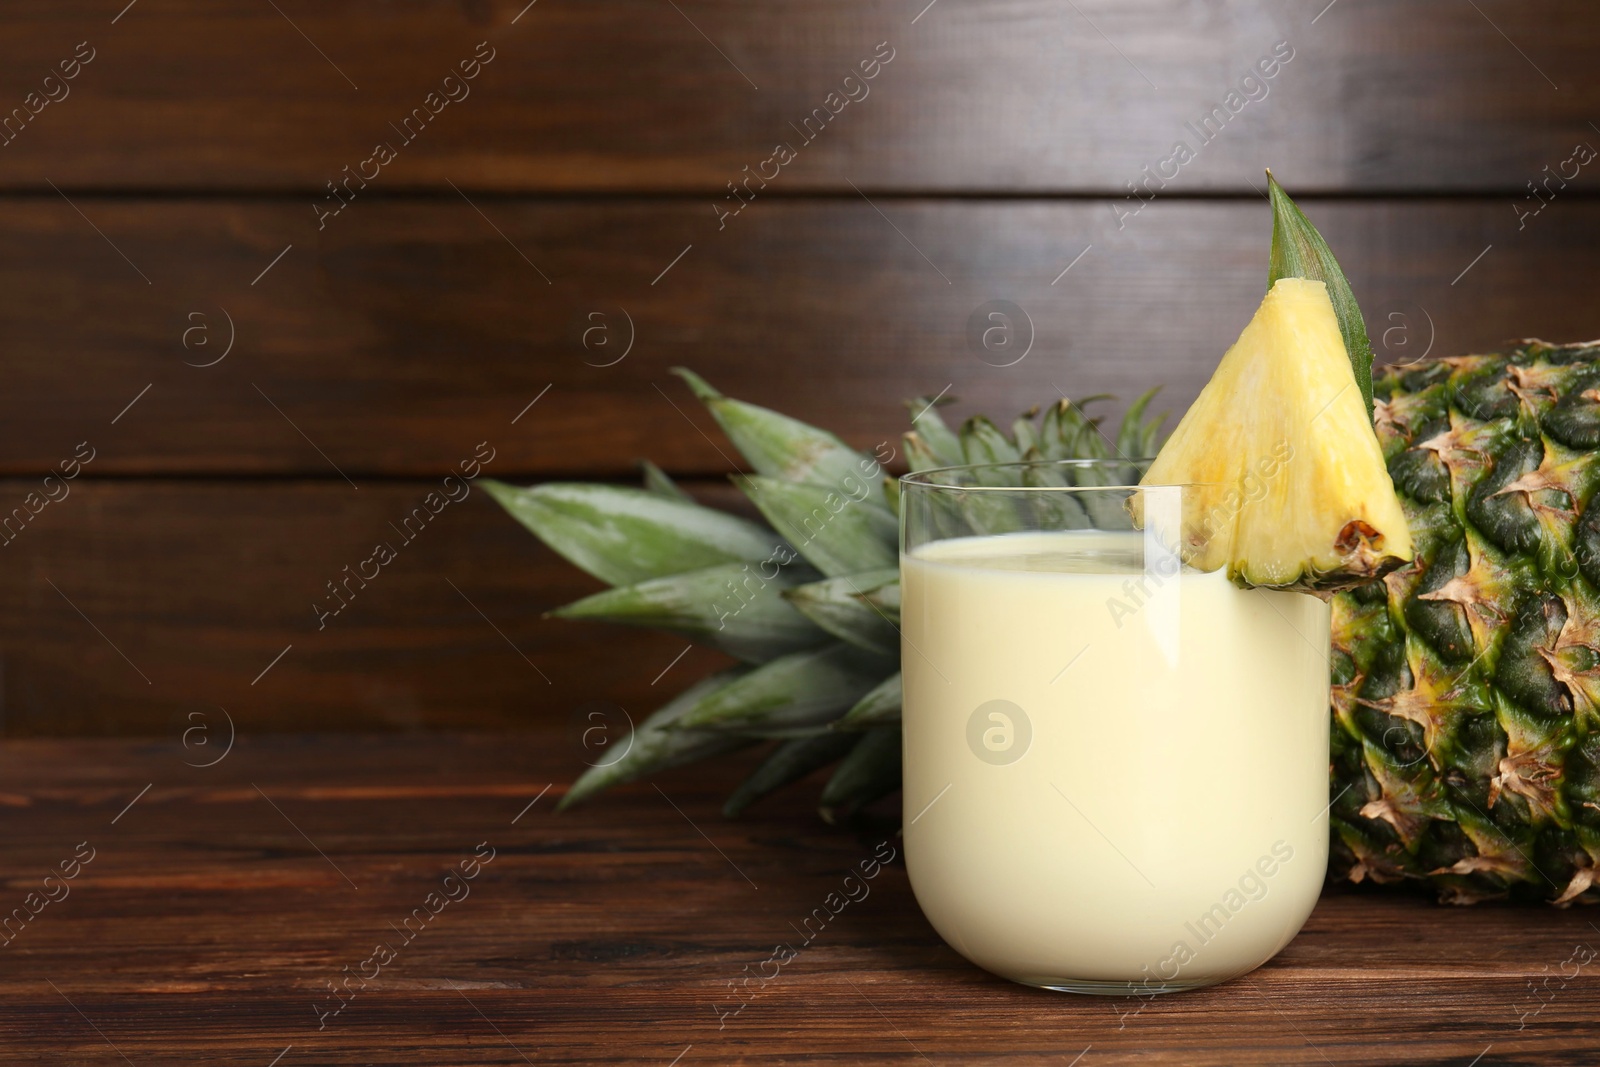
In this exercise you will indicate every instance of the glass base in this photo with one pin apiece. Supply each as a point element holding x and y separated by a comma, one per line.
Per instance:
<point>1098,988</point>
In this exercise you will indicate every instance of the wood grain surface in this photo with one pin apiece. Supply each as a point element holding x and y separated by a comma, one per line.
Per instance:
<point>128,606</point>
<point>1033,95</point>
<point>222,901</point>
<point>409,331</point>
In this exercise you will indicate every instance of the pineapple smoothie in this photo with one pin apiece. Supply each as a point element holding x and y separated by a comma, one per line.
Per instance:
<point>1116,772</point>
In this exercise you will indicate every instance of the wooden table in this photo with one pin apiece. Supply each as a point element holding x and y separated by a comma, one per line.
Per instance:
<point>222,902</point>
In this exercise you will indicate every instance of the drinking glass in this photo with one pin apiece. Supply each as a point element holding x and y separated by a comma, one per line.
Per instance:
<point>1116,765</point>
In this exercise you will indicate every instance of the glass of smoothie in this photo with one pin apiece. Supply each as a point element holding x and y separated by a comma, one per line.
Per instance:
<point>1116,766</point>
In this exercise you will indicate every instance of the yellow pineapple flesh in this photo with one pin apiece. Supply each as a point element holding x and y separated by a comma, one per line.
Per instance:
<point>1290,488</point>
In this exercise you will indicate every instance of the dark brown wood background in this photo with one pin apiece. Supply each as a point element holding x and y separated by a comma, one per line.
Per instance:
<point>140,215</point>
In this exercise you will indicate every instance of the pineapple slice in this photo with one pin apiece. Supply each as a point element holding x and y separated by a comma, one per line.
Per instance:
<point>1291,490</point>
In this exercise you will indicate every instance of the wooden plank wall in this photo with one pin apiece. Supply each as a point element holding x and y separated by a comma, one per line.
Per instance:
<point>267,373</point>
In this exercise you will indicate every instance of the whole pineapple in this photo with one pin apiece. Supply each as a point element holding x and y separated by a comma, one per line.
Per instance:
<point>1466,685</point>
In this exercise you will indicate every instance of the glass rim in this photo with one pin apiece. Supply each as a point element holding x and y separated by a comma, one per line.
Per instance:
<point>924,479</point>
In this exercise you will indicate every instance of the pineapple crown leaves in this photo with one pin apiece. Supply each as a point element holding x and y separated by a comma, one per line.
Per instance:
<point>861,609</point>
<point>1298,251</point>
<point>788,762</point>
<point>811,606</point>
<point>622,535</point>
<point>1135,437</point>
<point>778,446</point>
<point>881,707</point>
<point>982,442</point>
<point>1067,431</point>
<point>659,482</point>
<point>836,532</point>
<point>870,770</point>
<point>921,456</point>
<point>794,695</point>
<point>931,430</point>
<point>697,604</point>
<point>654,745</point>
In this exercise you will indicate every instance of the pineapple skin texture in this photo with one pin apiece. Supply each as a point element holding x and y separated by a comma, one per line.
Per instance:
<point>1466,685</point>
<point>1293,491</point>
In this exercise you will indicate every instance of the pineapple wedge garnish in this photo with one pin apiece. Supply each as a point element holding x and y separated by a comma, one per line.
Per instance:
<point>1291,491</point>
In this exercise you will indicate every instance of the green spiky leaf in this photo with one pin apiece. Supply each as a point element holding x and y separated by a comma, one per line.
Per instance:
<point>1052,435</point>
<point>881,707</point>
<point>788,762</point>
<point>794,695</point>
<point>870,771</point>
<point>778,446</point>
<point>1131,435</point>
<point>731,607</point>
<point>657,481</point>
<point>860,609</point>
<point>1026,434</point>
<point>1070,433</point>
<point>1298,251</point>
<point>1150,437</point>
<point>942,443</point>
<point>622,535</point>
<point>837,534</point>
<point>919,457</point>
<point>982,442</point>
<point>655,746</point>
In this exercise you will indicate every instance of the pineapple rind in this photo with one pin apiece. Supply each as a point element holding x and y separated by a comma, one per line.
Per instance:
<point>1480,680</point>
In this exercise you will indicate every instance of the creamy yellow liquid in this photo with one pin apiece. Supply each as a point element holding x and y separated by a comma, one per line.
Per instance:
<point>1165,825</point>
